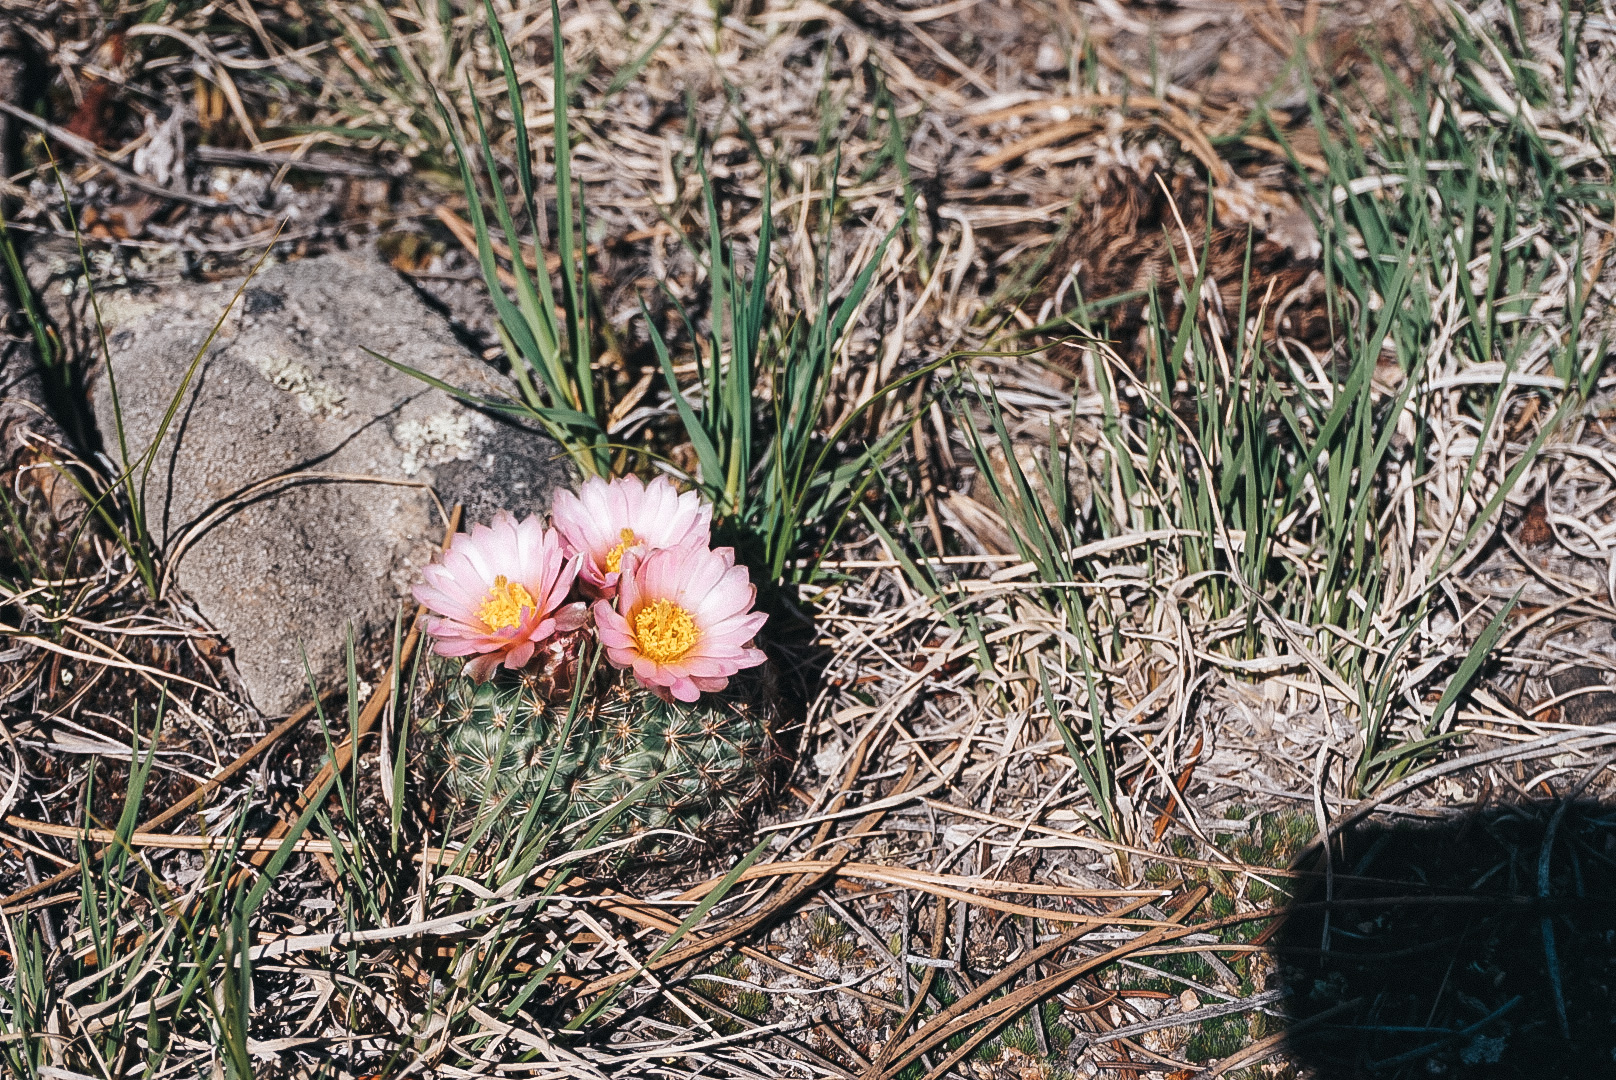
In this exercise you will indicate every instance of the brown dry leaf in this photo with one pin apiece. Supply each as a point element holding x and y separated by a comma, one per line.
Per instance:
<point>1535,530</point>
<point>211,647</point>
<point>129,219</point>
<point>95,115</point>
<point>92,119</point>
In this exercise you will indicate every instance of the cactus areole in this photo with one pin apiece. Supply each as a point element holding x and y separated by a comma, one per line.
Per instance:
<point>598,668</point>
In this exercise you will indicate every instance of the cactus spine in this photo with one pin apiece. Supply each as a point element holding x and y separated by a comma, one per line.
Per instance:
<point>701,765</point>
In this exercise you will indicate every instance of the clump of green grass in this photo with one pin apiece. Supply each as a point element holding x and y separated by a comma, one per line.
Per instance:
<point>1299,511</point>
<point>824,930</point>
<point>827,934</point>
<point>757,417</point>
<point>750,1004</point>
<point>1218,1038</point>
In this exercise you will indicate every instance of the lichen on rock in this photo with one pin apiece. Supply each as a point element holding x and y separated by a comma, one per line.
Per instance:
<point>439,439</point>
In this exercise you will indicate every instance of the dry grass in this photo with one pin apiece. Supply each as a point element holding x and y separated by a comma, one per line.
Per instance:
<point>1102,652</point>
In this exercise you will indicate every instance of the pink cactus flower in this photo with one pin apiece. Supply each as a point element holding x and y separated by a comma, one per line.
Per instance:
<point>683,621</point>
<point>605,522</point>
<point>498,593</point>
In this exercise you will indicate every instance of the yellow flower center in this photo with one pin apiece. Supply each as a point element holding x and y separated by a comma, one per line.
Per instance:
<point>504,605</point>
<point>665,631</point>
<point>614,557</point>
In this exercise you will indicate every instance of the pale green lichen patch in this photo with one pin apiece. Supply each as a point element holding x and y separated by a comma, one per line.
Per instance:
<point>436,440</point>
<point>314,395</point>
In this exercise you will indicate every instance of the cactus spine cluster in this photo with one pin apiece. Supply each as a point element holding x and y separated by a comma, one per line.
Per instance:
<point>506,742</point>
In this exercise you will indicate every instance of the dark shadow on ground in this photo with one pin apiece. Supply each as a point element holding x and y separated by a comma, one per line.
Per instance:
<point>1455,951</point>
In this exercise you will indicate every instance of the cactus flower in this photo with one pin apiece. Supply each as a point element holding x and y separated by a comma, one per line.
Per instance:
<point>605,522</point>
<point>683,621</point>
<point>498,593</point>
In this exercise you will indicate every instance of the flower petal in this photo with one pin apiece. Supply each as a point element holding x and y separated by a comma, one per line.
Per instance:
<point>715,594</point>
<point>456,590</point>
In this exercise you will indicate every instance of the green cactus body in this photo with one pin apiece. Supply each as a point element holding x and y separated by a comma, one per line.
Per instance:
<point>703,764</point>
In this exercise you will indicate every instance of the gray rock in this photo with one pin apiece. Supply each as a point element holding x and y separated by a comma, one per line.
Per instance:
<point>292,492</point>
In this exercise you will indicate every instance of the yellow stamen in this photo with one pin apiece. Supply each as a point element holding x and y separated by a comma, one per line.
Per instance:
<point>665,631</point>
<point>614,557</point>
<point>504,605</point>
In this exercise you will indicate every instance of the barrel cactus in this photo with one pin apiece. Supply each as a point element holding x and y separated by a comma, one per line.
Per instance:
<point>701,765</point>
<point>624,608</point>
